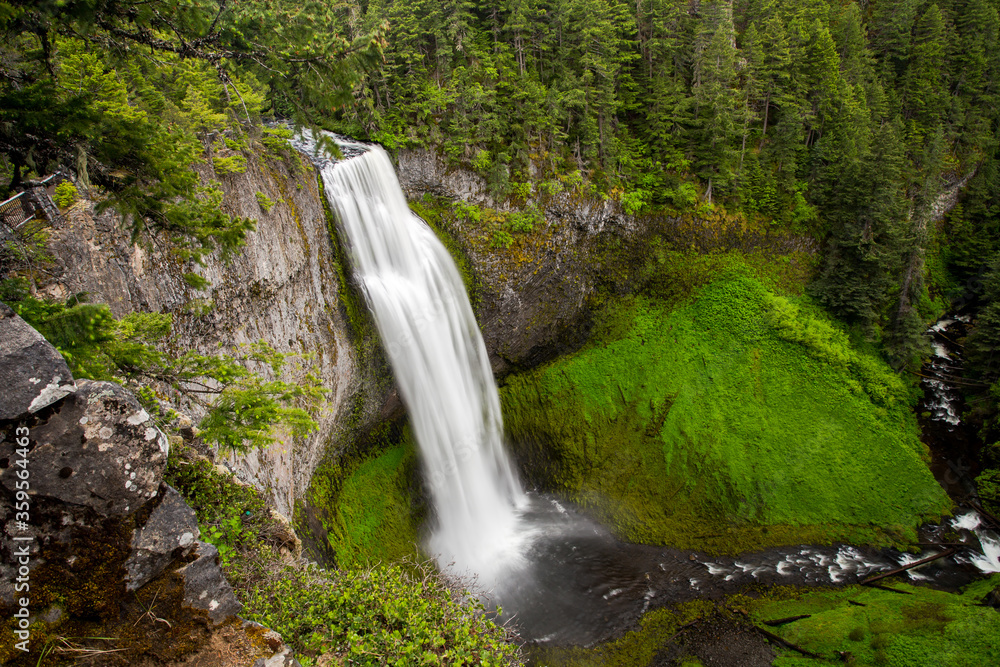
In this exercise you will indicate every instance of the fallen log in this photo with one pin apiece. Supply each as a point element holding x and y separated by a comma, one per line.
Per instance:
<point>781,621</point>
<point>956,545</point>
<point>773,637</point>
<point>898,570</point>
<point>992,519</point>
<point>856,604</point>
<point>784,642</point>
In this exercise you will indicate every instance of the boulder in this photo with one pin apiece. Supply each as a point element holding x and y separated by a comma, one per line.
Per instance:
<point>206,588</point>
<point>32,373</point>
<point>99,450</point>
<point>283,658</point>
<point>170,532</point>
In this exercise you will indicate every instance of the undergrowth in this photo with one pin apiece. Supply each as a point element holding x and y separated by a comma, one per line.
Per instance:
<point>402,614</point>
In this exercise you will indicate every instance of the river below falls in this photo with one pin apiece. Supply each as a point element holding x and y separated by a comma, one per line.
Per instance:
<point>579,585</point>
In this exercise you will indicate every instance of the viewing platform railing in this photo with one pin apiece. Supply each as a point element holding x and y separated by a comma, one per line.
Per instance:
<point>34,203</point>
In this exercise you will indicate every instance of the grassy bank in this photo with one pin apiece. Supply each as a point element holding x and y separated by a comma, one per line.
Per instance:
<point>738,420</point>
<point>367,506</point>
<point>856,625</point>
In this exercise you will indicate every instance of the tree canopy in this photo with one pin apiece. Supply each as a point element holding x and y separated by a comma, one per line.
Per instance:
<point>123,93</point>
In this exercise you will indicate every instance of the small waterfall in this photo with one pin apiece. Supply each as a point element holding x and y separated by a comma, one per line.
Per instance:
<point>437,352</point>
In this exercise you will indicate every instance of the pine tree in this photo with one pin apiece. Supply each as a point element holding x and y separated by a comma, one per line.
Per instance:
<point>925,91</point>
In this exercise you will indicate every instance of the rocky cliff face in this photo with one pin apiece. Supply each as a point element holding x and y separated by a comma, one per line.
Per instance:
<point>98,556</point>
<point>537,295</point>
<point>282,287</point>
<point>533,305</point>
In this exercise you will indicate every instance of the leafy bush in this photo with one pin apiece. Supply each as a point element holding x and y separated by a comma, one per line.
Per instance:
<point>386,615</point>
<point>381,616</point>
<point>524,222</point>
<point>501,239</point>
<point>65,194</point>
<point>684,197</point>
<point>195,281</point>
<point>482,162</point>
<point>242,406</point>
<point>520,190</point>
<point>636,201</point>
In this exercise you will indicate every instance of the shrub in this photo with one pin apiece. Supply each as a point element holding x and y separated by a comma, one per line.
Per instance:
<point>66,194</point>
<point>401,614</point>
<point>234,164</point>
<point>501,239</point>
<point>195,281</point>
<point>265,202</point>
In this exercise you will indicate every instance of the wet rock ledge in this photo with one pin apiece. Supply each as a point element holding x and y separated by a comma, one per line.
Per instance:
<point>106,554</point>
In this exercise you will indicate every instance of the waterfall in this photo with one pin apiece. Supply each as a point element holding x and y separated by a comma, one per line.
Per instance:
<point>437,352</point>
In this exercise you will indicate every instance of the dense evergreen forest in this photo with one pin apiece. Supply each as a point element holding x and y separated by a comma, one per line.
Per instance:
<point>843,120</point>
<point>847,122</point>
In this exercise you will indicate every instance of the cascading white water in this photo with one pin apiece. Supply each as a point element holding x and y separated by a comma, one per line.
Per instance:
<point>437,352</point>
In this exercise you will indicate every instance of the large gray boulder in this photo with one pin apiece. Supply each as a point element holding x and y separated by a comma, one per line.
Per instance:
<point>115,545</point>
<point>33,374</point>
<point>171,531</point>
<point>206,588</point>
<point>100,450</point>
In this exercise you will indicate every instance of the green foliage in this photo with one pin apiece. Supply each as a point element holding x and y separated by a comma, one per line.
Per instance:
<point>381,616</point>
<point>125,95</point>
<point>195,281</point>
<point>636,201</point>
<point>841,122</point>
<point>732,411</point>
<point>276,140</point>
<point>926,627</point>
<point>243,408</point>
<point>524,222</point>
<point>66,194</point>
<point>265,202</point>
<point>231,516</point>
<point>231,164</point>
<point>501,239</point>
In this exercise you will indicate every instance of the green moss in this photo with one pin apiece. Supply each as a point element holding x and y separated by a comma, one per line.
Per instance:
<point>366,502</point>
<point>361,322</point>
<point>927,627</point>
<point>373,518</point>
<point>637,647</point>
<point>738,421</point>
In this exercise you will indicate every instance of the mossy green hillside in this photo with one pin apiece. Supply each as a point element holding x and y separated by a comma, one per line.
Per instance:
<point>928,627</point>
<point>740,420</point>
<point>367,504</point>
